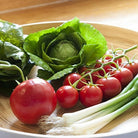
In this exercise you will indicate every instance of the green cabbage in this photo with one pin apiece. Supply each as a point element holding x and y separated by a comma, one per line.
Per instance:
<point>58,51</point>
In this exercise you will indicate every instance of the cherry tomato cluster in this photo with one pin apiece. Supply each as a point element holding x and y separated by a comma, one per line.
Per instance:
<point>92,85</point>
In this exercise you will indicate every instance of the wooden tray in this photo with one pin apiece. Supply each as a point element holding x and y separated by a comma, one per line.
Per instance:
<point>124,125</point>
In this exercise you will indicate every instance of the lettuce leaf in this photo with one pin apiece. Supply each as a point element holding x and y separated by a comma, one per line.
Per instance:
<point>96,44</point>
<point>42,47</point>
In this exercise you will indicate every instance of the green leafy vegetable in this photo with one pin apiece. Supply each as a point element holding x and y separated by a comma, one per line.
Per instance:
<point>13,59</point>
<point>9,71</point>
<point>12,33</point>
<point>13,54</point>
<point>60,50</point>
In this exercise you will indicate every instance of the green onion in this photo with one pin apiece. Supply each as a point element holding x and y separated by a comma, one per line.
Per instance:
<point>93,126</point>
<point>75,116</point>
<point>92,119</point>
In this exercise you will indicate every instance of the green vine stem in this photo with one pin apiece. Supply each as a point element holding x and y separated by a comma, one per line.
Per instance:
<point>124,51</point>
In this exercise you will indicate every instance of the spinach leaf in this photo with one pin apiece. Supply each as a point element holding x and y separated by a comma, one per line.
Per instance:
<point>10,32</point>
<point>6,87</point>
<point>14,61</point>
<point>13,54</point>
<point>9,71</point>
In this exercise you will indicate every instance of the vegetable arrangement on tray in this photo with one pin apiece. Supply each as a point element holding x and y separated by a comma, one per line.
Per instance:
<point>104,81</point>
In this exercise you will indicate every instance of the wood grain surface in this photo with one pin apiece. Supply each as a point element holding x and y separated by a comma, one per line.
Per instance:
<point>123,13</point>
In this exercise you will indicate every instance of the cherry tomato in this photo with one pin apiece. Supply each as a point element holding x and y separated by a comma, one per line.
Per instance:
<point>133,67</point>
<point>117,61</point>
<point>110,87</point>
<point>108,67</point>
<point>124,75</point>
<point>31,99</point>
<point>109,55</point>
<point>83,70</point>
<point>94,75</point>
<point>72,78</point>
<point>67,96</point>
<point>91,95</point>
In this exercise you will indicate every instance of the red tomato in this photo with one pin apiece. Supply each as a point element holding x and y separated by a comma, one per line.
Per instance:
<point>87,70</point>
<point>133,67</point>
<point>108,67</point>
<point>72,78</point>
<point>95,76</point>
<point>110,87</point>
<point>91,95</point>
<point>83,70</point>
<point>67,96</point>
<point>31,99</point>
<point>117,61</point>
<point>124,75</point>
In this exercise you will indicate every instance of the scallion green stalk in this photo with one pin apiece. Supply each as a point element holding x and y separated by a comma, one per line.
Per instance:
<point>92,119</point>
<point>78,115</point>
<point>105,111</point>
<point>93,126</point>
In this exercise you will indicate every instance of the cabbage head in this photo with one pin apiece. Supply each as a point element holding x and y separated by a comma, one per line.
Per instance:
<point>59,51</point>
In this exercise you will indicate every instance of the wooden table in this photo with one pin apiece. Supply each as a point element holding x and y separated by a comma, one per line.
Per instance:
<point>122,13</point>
